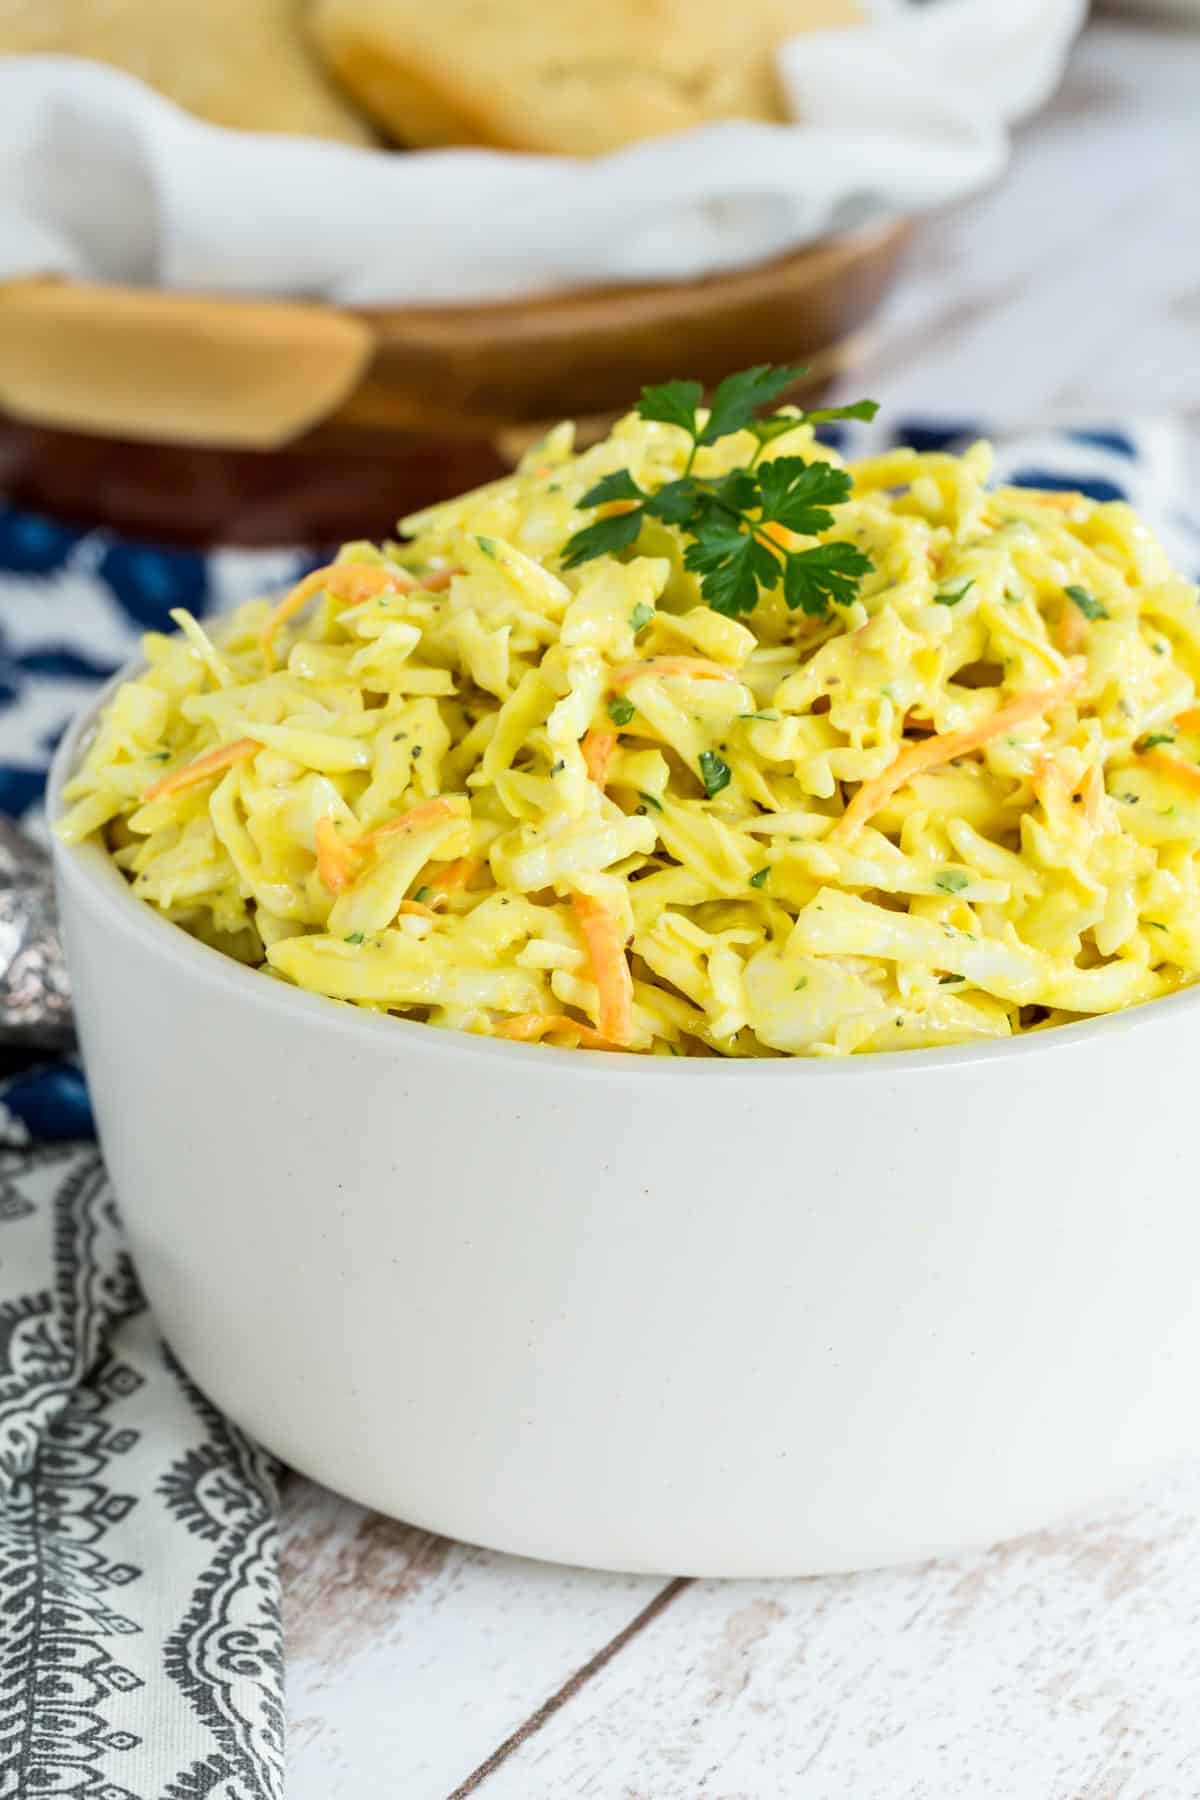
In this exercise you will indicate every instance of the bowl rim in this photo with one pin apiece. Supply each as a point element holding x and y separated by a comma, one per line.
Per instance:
<point>89,866</point>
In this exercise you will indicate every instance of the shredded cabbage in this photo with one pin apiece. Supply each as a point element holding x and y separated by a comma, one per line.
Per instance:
<point>469,787</point>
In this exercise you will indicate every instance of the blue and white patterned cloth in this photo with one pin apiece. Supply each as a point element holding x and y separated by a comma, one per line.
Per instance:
<point>141,1653</point>
<point>73,606</point>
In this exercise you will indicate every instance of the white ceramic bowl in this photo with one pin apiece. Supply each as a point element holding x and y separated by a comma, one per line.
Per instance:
<point>702,1317</point>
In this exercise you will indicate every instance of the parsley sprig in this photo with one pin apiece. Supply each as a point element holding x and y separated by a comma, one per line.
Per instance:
<point>740,524</point>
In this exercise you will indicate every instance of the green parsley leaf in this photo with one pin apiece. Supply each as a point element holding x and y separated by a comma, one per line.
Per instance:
<point>827,415</point>
<point>724,519</point>
<point>738,398</point>
<point>672,403</point>
<point>488,546</point>
<point>759,878</point>
<point>1089,606</point>
<point>735,491</point>
<point>945,980</point>
<point>619,485</point>
<point>798,494</point>
<point>640,617</point>
<point>620,710</point>
<point>811,578</point>
<point>604,538</point>
<point>676,503</point>
<point>950,596</point>
<point>355,937</point>
<point>714,772</point>
<point>422,894</point>
<point>723,558</point>
<point>951,881</point>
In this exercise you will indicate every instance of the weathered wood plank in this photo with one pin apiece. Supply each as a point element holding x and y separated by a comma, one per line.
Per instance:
<point>410,1658</point>
<point>1060,1667</point>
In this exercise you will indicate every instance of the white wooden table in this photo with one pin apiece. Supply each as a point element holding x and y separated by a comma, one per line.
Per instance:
<point>1062,1667</point>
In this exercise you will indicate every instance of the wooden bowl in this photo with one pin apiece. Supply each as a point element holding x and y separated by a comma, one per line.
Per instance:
<point>253,420</point>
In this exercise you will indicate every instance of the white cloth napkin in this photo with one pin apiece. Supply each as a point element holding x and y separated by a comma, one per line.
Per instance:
<point>102,179</point>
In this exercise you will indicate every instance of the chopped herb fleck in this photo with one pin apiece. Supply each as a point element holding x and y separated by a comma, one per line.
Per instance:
<point>650,800</point>
<point>1155,738</point>
<point>1129,799</point>
<point>714,772</point>
<point>355,937</point>
<point>160,756</point>
<point>770,717</point>
<point>422,894</point>
<point>1089,606</point>
<point>945,980</point>
<point>802,983</point>
<point>950,596</point>
<point>640,617</point>
<point>621,710</point>
<point>951,881</point>
<point>1155,924</point>
<point>558,767</point>
<point>759,879</point>
<point>417,751</point>
<point>488,546</point>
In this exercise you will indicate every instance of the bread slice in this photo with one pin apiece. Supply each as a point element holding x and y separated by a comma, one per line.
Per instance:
<point>244,63</point>
<point>574,76</point>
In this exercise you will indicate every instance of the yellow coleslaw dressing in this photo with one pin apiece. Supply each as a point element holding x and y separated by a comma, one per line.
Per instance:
<point>452,781</point>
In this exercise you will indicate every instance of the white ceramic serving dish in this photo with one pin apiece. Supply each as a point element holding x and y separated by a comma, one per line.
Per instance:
<point>700,1317</point>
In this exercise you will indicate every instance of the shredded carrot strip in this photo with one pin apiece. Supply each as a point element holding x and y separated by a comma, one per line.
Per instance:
<point>1184,775</point>
<point>346,581</point>
<point>598,748</point>
<point>530,1028</point>
<point>1189,720</point>
<point>349,582</point>
<point>457,874</point>
<point>209,764</point>
<point>337,864</point>
<point>606,950</point>
<point>699,667</point>
<point>1048,782</point>
<point>413,820</point>
<point>945,746</point>
<point>1071,628</point>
